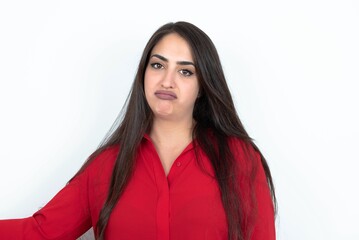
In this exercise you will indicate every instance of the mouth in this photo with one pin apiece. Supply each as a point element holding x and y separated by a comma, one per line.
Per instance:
<point>165,95</point>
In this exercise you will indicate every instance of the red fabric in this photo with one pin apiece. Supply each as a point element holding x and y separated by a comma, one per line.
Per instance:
<point>184,205</point>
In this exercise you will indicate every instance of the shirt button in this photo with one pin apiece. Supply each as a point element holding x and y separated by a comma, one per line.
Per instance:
<point>178,164</point>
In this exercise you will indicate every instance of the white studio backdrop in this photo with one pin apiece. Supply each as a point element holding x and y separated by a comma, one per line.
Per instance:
<point>66,68</point>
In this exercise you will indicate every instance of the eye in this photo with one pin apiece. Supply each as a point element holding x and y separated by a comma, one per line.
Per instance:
<point>156,65</point>
<point>185,72</point>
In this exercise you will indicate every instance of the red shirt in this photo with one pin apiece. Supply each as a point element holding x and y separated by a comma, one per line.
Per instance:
<point>186,204</point>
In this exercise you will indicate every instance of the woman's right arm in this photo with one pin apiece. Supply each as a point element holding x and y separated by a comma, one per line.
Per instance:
<point>66,216</point>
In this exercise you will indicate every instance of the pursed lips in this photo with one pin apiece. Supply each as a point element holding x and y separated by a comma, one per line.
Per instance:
<point>165,95</point>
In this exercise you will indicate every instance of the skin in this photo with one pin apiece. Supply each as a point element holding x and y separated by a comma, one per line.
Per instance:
<point>171,69</point>
<point>171,89</point>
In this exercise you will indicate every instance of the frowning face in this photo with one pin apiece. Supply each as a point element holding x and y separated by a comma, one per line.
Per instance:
<point>171,84</point>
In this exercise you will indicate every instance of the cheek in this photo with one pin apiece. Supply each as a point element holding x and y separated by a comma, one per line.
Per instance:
<point>194,90</point>
<point>149,80</point>
<point>191,94</point>
<point>146,89</point>
<point>149,88</point>
<point>147,83</point>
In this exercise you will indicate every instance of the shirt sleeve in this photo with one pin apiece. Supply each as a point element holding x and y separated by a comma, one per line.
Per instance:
<point>66,216</point>
<point>260,212</point>
<point>264,226</point>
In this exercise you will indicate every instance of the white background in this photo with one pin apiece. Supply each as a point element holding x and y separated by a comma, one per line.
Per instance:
<point>66,68</point>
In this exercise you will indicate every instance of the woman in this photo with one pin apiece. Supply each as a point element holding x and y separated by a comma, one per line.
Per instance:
<point>179,166</point>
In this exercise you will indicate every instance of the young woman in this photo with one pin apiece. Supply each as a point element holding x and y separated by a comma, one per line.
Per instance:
<point>180,165</point>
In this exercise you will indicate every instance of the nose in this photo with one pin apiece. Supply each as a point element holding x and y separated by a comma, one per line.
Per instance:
<point>168,80</point>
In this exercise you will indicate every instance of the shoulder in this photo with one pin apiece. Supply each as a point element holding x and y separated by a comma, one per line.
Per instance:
<point>104,159</point>
<point>100,163</point>
<point>242,148</point>
<point>247,157</point>
<point>108,154</point>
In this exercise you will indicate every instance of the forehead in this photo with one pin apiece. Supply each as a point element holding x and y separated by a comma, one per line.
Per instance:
<point>173,46</point>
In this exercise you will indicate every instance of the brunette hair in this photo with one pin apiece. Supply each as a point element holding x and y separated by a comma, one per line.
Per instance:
<point>214,112</point>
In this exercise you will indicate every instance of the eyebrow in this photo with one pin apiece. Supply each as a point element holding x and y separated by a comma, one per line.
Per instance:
<point>178,62</point>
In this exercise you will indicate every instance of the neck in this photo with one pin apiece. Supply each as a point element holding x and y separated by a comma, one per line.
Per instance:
<point>170,132</point>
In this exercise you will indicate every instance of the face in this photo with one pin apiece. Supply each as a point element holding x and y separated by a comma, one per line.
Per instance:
<point>171,84</point>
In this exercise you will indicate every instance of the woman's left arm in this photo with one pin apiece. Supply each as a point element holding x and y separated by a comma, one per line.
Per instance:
<point>264,227</point>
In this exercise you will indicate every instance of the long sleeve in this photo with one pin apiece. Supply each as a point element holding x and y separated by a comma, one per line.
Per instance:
<point>66,216</point>
<point>264,227</point>
<point>261,219</point>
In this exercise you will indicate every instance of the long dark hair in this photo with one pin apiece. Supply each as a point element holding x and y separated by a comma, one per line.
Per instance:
<point>214,112</point>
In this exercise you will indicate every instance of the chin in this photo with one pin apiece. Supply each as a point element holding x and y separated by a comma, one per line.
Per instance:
<point>164,115</point>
